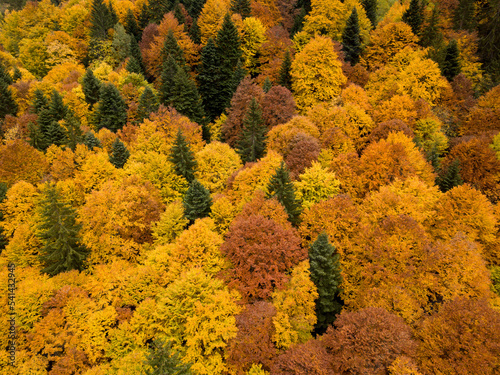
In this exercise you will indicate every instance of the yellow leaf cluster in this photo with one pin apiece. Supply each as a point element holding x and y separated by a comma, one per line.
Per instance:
<point>316,184</point>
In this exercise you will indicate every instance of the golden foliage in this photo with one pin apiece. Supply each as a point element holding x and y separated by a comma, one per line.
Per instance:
<point>316,184</point>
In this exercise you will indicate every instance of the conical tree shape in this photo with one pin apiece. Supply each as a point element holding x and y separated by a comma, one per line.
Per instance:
<point>135,52</point>
<point>131,26</point>
<point>157,8</point>
<point>182,158</point>
<point>464,17</point>
<point>267,85</point>
<point>451,65</point>
<point>450,178</point>
<point>325,273</point>
<point>194,32</point>
<point>55,134</point>
<point>101,20</point>
<point>111,111</point>
<point>252,143</point>
<point>171,48</point>
<point>119,154</point>
<point>36,137</point>
<point>39,101</point>
<point>285,75</point>
<point>58,110</point>
<point>209,81</point>
<point>133,66</point>
<point>370,7</point>
<point>91,87</point>
<point>3,194</point>
<point>91,141</point>
<point>163,361</point>
<point>168,74</point>
<point>42,135</point>
<point>185,97</point>
<point>242,7</point>
<point>431,34</point>
<point>351,41</point>
<point>281,187</point>
<point>148,103</point>
<point>4,75</point>
<point>8,105</point>
<point>197,202</point>
<point>58,232</point>
<point>113,17</point>
<point>238,76</point>
<point>178,13</point>
<point>298,22</point>
<point>145,16</point>
<point>74,134</point>
<point>413,16</point>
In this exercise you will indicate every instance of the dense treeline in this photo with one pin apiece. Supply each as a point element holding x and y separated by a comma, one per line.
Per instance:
<point>250,186</point>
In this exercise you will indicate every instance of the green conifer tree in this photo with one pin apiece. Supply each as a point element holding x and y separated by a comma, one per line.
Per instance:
<point>285,79</point>
<point>252,142</point>
<point>194,32</point>
<point>431,34</point>
<point>451,65</point>
<point>121,43</point>
<point>39,101</point>
<point>185,97</point>
<point>197,202</point>
<point>325,273</point>
<point>74,134</point>
<point>172,48</point>
<point>182,158</point>
<point>193,7</point>
<point>8,105</point>
<point>281,187</point>
<point>238,76</point>
<point>209,81</point>
<point>178,13</point>
<point>351,41</point>
<point>36,137</point>
<point>450,178</point>
<point>135,53</point>
<point>242,7</point>
<point>144,16</point>
<point>57,108</point>
<point>3,195</point>
<point>370,7</point>
<point>162,360</point>
<point>131,26</point>
<point>267,85</point>
<point>17,74</point>
<point>101,20</point>
<point>91,87</point>
<point>413,16</point>
<point>148,103</point>
<point>111,111</point>
<point>464,17</point>
<point>41,136</point>
<point>168,74</point>
<point>298,22</point>
<point>133,66</point>
<point>91,141</point>
<point>113,17</point>
<point>119,154</point>
<point>158,8</point>
<point>58,231</point>
<point>4,75</point>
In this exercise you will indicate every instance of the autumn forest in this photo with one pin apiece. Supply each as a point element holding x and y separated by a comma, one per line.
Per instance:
<point>250,187</point>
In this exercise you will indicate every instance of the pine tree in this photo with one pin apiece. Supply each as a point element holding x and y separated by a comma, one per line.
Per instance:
<point>194,7</point>
<point>74,134</point>
<point>135,52</point>
<point>3,195</point>
<point>267,85</point>
<point>370,7</point>
<point>17,74</point>
<point>182,158</point>
<point>252,143</point>
<point>168,74</point>
<point>131,26</point>
<point>172,48</point>
<point>111,111</point>
<point>194,32</point>
<point>185,97</point>
<point>55,134</point>
<point>100,20</point>
<point>157,9</point>
<point>163,361</point>
<point>119,154</point>
<point>298,22</point>
<point>413,16</point>
<point>148,103</point>
<point>41,135</point>
<point>451,65</point>
<point>281,187</point>
<point>450,178</point>
<point>58,232</point>
<point>57,108</point>
<point>351,41</point>
<point>121,43</point>
<point>39,101</point>
<point>325,273</point>
<point>464,17</point>
<point>431,34</point>
<point>133,66</point>
<point>285,79</point>
<point>178,13</point>
<point>112,16</point>
<point>91,141</point>
<point>8,105</point>
<point>241,7</point>
<point>209,81</point>
<point>238,75</point>
<point>91,87</point>
<point>229,51</point>
<point>4,75</point>
<point>144,16</point>
<point>197,202</point>
<point>36,137</point>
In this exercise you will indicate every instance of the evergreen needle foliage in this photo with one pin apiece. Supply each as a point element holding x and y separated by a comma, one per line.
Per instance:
<point>371,10</point>
<point>8,105</point>
<point>325,273</point>
<point>119,154</point>
<point>91,141</point>
<point>285,75</point>
<point>163,361</point>
<point>451,65</point>
<point>450,178</point>
<point>148,103</point>
<point>91,87</point>
<point>111,112</point>
<point>182,157</point>
<point>281,187</point>
<point>58,232</point>
<point>413,16</point>
<point>197,202</point>
<point>252,143</point>
<point>267,85</point>
<point>351,41</point>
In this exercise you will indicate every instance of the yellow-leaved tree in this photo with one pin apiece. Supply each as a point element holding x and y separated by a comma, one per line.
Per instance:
<point>253,36</point>
<point>316,184</point>
<point>316,73</point>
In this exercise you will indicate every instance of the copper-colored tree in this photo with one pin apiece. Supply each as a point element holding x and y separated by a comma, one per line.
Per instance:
<point>278,106</point>
<point>383,129</point>
<point>300,153</point>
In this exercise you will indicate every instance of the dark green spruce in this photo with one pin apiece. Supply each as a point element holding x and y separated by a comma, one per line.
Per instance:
<point>91,141</point>
<point>285,71</point>
<point>39,101</point>
<point>8,105</point>
<point>91,87</point>
<point>242,7</point>
<point>162,360</point>
<point>414,17</point>
<point>168,73</point>
<point>325,273</point>
<point>267,85</point>
<point>351,41</point>
<point>74,134</point>
<point>182,158</point>
<point>197,202</point>
<point>370,7</point>
<point>451,65</point>
<point>450,178</point>
<point>131,26</point>
<point>148,103</point>
<point>111,110</point>
<point>119,154</point>
<point>194,32</point>
<point>252,143</point>
<point>186,98</point>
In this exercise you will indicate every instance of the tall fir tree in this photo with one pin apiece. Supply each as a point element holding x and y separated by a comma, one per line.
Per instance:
<point>113,17</point>
<point>281,187</point>
<point>178,13</point>
<point>131,26</point>
<point>74,134</point>
<point>91,87</point>
<point>3,195</point>
<point>252,142</point>
<point>229,50</point>
<point>182,158</point>
<point>451,64</point>
<point>111,110</point>
<point>194,7</point>
<point>285,79</point>
<point>36,137</point>
<point>326,275</point>
<point>168,74</point>
<point>464,16</point>
<point>172,48</point>
<point>55,134</point>
<point>4,75</point>
<point>133,66</point>
<point>413,16</point>
<point>298,22</point>
<point>119,154</point>
<point>194,32</point>
<point>488,20</point>
<point>158,8</point>
<point>59,234</point>
<point>8,105</point>
<point>370,7</point>
<point>197,202</point>
<point>91,141</point>
<point>431,34</point>
<point>267,85</point>
<point>186,98</point>
<point>39,101</point>
<point>450,178</point>
<point>148,103</point>
<point>41,136</point>
<point>351,41</point>
<point>101,20</point>
<point>162,360</point>
<point>57,108</point>
<point>144,17</point>
<point>242,7</point>
<point>209,80</point>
